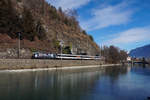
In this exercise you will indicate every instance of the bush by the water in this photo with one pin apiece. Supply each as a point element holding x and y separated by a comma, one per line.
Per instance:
<point>113,54</point>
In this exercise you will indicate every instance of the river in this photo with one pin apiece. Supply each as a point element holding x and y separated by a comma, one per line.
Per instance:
<point>115,83</point>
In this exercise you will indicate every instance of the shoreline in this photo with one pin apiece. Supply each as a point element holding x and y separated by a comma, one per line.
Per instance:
<point>15,64</point>
<point>60,68</point>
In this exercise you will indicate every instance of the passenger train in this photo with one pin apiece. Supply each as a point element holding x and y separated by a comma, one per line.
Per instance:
<point>64,56</point>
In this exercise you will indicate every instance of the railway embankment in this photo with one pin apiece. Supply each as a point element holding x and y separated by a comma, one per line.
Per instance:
<point>37,64</point>
<point>15,64</point>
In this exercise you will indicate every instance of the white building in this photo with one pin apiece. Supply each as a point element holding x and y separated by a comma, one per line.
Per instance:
<point>129,58</point>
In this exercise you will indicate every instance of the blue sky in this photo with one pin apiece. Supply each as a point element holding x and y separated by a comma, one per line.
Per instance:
<point>123,23</point>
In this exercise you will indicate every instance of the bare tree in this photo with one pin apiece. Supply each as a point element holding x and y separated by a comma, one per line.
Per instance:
<point>113,54</point>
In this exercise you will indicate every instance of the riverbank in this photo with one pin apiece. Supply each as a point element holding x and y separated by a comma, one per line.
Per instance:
<point>38,64</point>
<point>62,68</point>
<point>14,64</point>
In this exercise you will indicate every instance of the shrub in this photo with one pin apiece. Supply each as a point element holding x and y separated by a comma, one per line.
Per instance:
<point>19,0</point>
<point>33,50</point>
<point>84,32</point>
<point>41,34</point>
<point>56,44</point>
<point>67,50</point>
<point>91,37</point>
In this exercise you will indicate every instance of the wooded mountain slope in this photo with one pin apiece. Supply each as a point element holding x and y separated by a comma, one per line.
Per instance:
<point>42,27</point>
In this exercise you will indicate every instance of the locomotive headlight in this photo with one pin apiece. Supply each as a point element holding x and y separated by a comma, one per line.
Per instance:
<point>36,55</point>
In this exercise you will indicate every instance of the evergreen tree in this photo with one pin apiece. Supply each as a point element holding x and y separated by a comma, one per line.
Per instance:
<point>29,31</point>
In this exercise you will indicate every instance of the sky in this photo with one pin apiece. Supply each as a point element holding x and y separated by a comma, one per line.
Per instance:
<point>123,23</point>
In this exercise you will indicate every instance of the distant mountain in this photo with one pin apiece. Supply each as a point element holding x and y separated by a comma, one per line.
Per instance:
<point>141,52</point>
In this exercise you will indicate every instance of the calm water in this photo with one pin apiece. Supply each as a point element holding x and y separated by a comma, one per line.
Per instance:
<point>119,83</point>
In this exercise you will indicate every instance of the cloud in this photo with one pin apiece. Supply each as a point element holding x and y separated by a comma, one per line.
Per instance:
<point>68,4</point>
<point>133,35</point>
<point>108,16</point>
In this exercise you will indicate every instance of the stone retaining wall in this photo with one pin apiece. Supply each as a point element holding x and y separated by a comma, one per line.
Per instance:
<point>12,53</point>
<point>36,63</point>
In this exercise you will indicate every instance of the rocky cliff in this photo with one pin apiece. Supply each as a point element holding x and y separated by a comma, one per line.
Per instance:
<point>42,27</point>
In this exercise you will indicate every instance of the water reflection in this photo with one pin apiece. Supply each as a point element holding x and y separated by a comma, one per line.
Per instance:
<point>113,83</point>
<point>46,85</point>
<point>115,72</point>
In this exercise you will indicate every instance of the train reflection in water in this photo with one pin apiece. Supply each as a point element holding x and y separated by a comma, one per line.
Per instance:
<point>64,56</point>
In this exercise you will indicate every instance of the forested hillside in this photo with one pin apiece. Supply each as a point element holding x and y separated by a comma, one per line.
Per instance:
<point>42,27</point>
